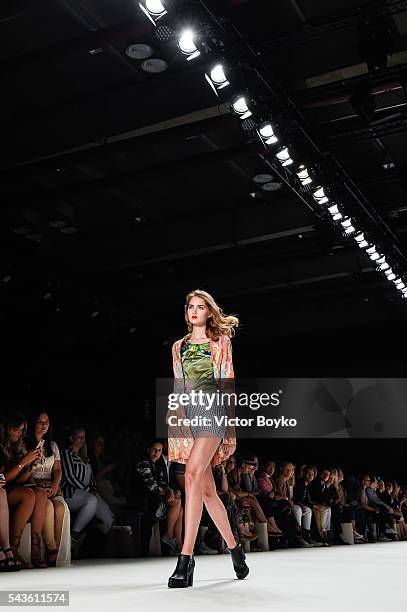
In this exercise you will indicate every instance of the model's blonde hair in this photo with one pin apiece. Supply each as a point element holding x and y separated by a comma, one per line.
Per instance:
<point>218,324</point>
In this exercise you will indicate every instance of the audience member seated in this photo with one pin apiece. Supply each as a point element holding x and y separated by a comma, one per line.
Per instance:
<point>285,517</point>
<point>7,561</point>
<point>228,498</point>
<point>302,504</point>
<point>385,514</point>
<point>247,501</point>
<point>263,490</point>
<point>369,512</point>
<point>104,470</point>
<point>79,487</point>
<point>47,473</point>
<point>26,503</point>
<point>341,511</point>
<point>320,504</point>
<point>161,502</point>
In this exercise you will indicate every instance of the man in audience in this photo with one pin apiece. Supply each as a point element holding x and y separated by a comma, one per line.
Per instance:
<point>302,504</point>
<point>385,512</point>
<point>322,511</point>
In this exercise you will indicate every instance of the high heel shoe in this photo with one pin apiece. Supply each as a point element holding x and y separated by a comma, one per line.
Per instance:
<point>239,563</point>
<point>183,575</point>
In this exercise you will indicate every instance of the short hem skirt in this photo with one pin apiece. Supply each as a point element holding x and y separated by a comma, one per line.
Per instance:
<point>207,425</point>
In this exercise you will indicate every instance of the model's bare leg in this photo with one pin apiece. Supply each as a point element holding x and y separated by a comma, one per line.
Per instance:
<point>216,508</point>
<point>200,457</point>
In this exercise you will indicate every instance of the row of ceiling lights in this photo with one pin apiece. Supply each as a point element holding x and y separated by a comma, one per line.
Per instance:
<point>244,107</point>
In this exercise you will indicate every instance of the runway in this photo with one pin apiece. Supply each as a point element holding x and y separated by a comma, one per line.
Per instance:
<point>363,577</point>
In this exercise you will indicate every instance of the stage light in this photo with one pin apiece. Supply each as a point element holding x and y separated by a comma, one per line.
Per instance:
<point>284,157</point>
<point>187,45</point>
<point>304,176</point>
<point>335,212</point>
<point>320,196</point>
<point>154,9</point>
<point>347,225</point>
<point>361,241</point>
<point>371,250</point>
<point>217,78</point>
<point>239,106</point>
<point>266,133</point>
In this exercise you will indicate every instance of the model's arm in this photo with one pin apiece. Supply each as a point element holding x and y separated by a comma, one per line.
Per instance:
<point>227,385</point>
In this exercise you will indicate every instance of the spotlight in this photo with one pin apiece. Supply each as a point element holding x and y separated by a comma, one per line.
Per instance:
<point>347,225</point>
<point>374,256</point>
<point>187,45</point>
<point>284,157</point>
<point>217,78</point>
<point>335,212</point>
<point>154,9</point>
<point>266,133</point>
<point>320,196</point>
<point>303,175</point>
<point>360,239</point>
<point>239,106</point>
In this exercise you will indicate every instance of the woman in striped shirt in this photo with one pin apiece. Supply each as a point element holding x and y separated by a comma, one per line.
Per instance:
<point>79,487</point>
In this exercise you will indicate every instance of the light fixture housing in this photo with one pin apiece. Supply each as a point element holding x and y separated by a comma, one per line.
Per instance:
<point>335,212</point>
<point>187,45</point>
<point>153,9</point>
<point>303,175</point>
<point>217,78</point>
<point>320,196</point>
<point>240,107</point>
<point>266,133</point>
<point>284,157</point>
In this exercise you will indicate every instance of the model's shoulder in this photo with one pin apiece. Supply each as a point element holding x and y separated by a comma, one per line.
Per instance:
<point>178,343</point>
<point>225,339</point>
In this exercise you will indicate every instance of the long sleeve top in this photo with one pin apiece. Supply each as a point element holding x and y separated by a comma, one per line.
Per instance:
<point>374,499</point>
<point>76,474</point>
<point>152,476</point>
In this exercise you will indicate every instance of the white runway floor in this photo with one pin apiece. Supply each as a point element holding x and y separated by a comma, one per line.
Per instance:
<point>365,577</point>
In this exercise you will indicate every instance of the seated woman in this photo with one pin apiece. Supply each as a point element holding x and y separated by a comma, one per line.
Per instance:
<point>104,470</point>
<point>393,489</point>
<point>80,491</point>
<point>47,473</point>
<point>228,498</point>
<point>27,502</point>
<point>249,505</point>
<point>161,501</point>
<point>7,561</point>
<point>341,510</point>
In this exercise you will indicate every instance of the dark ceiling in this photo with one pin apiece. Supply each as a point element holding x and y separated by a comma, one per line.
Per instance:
<point>123,190</point>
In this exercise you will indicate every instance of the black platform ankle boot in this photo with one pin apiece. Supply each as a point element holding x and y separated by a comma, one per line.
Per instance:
<point>183,575</point>
<point>239,563</point>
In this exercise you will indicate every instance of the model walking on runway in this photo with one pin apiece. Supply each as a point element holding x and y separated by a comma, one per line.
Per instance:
<point>202,361</point>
